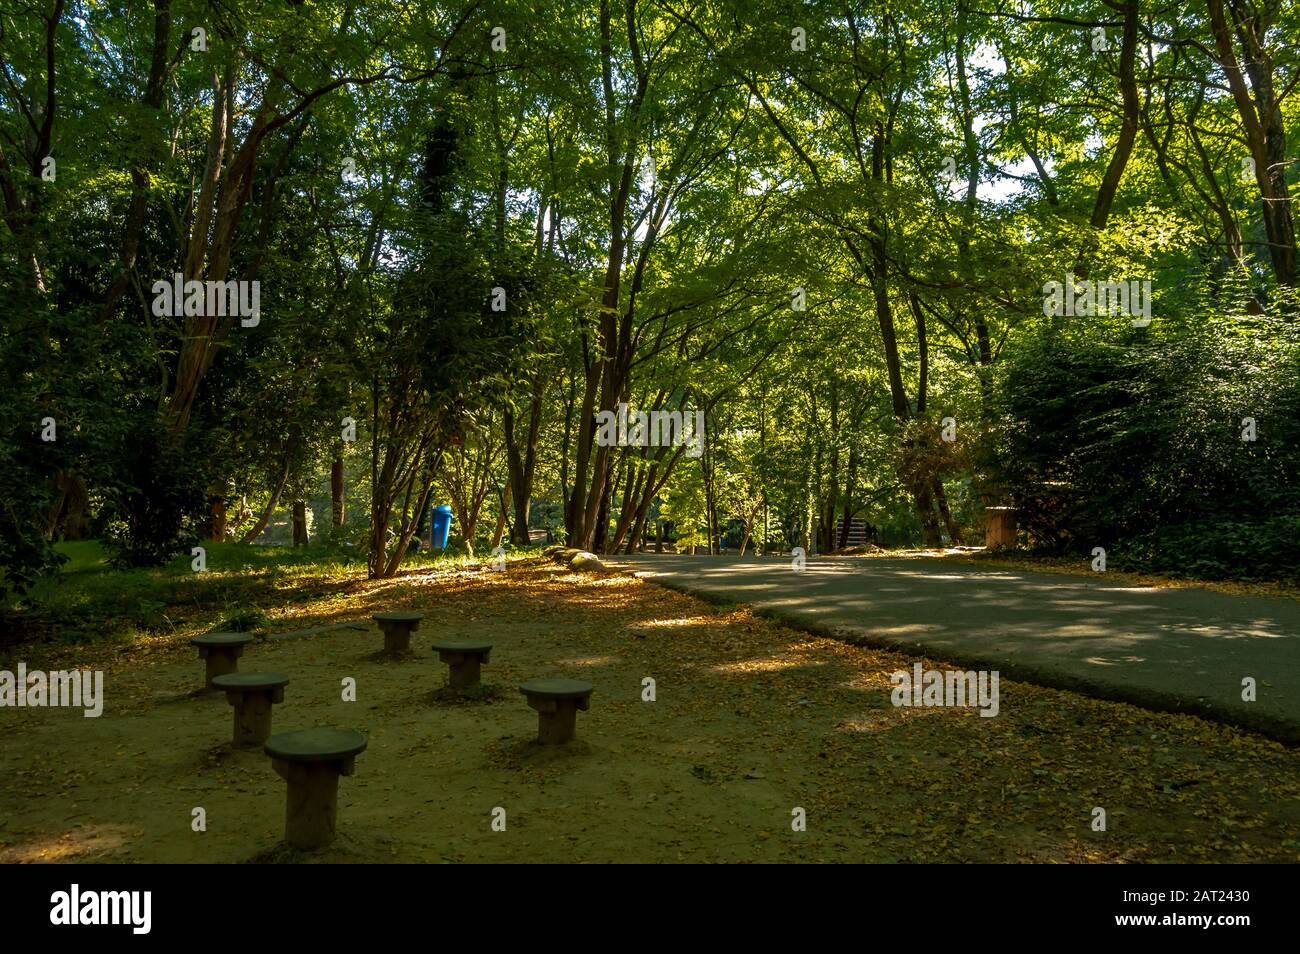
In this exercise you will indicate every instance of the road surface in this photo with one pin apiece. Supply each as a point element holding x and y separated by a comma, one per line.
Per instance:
<point>1182,650</point>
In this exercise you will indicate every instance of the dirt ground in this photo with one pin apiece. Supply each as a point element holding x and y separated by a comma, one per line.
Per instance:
<point>751,721</point>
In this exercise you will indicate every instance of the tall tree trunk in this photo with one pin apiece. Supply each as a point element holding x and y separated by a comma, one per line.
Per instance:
<point>941,499</point>
<point>933,540</point>
<point>567,486</point>
<point>1110,180</point>
<point>661,468</point>
<point>300,523</point>
<point>409,524</point>
<point>710,501</point>
<point>521,462</point>
<point>75,523</point>
<point>219,520</point>
<point>1262,122</point>
<point>610,364</point>
<point>627,513</point>
<point>827,542</point>
<point>380,477</point>
<point>575,515</point>
<point>850,488</point>
<point>600,528</point>
<point>66,519</point>
<point>337,512</point>
<point>271,504</point>
<point>140,174</point>
<point>500,530</point>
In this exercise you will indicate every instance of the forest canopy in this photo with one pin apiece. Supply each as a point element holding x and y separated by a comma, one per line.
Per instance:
<point>312,268</point>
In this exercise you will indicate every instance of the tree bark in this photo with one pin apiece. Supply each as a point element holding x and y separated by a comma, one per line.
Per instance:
<point>271,504</point>
<point>408,526</point>
<point>500,530</point>
<point>850,487</point>
<point>219,521</point>
<point>337,505</point>
<point>941,499</point>
<point>299,523</point>
<point>1131,111</point>
<point>521,462</point>
<point>1263,124</point>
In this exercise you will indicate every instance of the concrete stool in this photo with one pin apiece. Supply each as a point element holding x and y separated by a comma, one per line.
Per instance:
<point>557,702</point>
<point>221,651</point>
<point>464,656</point>
<point>397,629</point>
<point>252,694</point>
<point>311,761</point>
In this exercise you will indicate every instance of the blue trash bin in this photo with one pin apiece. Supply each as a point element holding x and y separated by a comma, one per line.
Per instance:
<point>440,526</point>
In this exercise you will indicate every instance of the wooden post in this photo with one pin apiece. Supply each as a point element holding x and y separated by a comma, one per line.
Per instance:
<point>1000,527</point>
<point>464,671</point>
<point>219,661</point>
<point>252,716</point>
<point>311,806</point>
<point>556,725</point>
<point>311,761</point>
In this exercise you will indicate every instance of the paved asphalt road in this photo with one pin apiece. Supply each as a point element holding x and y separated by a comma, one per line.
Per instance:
<point>1183,650</point>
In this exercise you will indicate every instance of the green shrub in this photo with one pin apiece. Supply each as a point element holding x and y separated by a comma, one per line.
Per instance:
<point>1134,442</point>
<point>243,620</point>
<point>155,499</point>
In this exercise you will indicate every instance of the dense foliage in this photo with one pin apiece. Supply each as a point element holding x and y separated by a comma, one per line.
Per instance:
<point>830,229</point>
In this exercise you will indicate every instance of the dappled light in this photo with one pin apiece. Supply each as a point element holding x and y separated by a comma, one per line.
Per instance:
<point>739,700</point>
<point>83,843</point>
<point>560,431</point>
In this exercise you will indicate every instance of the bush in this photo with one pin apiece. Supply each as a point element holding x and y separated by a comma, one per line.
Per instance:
<point>28,464</point>
<point>155,500</point>
<point>26,554</point>
<point>1135,443</point>
<point>243,620</point>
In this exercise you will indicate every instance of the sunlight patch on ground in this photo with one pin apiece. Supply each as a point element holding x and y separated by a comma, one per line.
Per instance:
<point>871,722</point>
<point>610,582</point>
<point>678,623</point>
<point>768,708</point>
<point>68,846</point>
<point>771,664</point>
<point>589,661</point>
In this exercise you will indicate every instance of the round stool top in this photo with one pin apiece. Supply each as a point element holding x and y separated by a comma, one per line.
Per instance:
<point>250,681</point>
<point>315,745</point>
<point>556,688</point>
<point>221,639</point>
<point>397,617</point>
<point>461,646</point>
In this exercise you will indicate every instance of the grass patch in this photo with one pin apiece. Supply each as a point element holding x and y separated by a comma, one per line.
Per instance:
<point>244,620</point>
<point>243,589</point>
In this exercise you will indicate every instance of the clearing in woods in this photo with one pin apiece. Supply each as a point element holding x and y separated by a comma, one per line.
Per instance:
<point>751,720</point>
